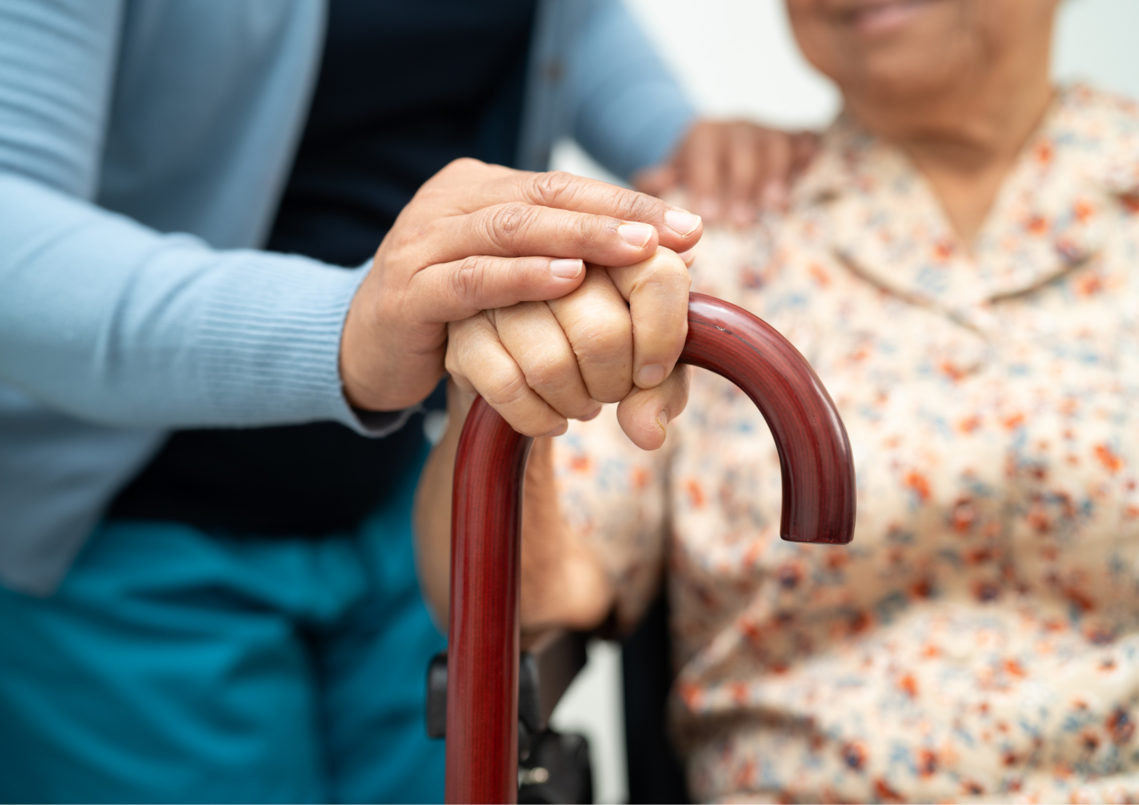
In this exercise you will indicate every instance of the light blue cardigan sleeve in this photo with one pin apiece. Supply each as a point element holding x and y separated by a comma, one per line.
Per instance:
<point>112,321</point>
<point>595,77</point>
<point>628,110</point>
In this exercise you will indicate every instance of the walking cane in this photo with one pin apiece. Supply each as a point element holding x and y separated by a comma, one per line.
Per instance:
<point>482,674</point>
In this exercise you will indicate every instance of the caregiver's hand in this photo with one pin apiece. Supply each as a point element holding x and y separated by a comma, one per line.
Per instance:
<point>479,237</point>
<point>614,339</point>
<point>732,169</point>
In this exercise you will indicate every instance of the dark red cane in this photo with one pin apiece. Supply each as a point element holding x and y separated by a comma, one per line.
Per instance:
<point>818,506</point>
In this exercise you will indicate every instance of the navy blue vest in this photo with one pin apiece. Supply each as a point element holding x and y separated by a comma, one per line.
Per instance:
<point>404,88</point>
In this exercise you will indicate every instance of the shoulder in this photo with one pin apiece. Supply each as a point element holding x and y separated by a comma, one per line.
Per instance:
<point>1097,133</point>
<point>1098,109</point>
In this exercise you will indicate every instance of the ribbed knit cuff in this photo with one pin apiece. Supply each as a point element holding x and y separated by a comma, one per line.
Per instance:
<point>270,337</point>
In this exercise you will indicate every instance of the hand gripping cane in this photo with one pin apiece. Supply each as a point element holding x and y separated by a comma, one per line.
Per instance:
<point>818,506</point>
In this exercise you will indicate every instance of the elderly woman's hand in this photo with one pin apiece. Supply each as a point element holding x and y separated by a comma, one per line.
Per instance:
<point>478,237</point>
<point>615,339</point>
<point>732,169</point>
<point>563,582</point>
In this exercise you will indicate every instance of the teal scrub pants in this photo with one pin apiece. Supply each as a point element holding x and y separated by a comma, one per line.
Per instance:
<point>175,666</point>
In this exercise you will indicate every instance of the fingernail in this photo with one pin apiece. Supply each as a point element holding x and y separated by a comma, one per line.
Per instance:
<point>559,430</point>
<point>636,234</point>
<point>650,375</point>
<point>683,222</point>
<point>590,417</point>
<point>566,269</point>
<point>689,257</point>
<point>662,420</point>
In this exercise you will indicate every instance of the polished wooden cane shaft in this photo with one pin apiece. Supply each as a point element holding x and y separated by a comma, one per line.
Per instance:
<point>818,506</point>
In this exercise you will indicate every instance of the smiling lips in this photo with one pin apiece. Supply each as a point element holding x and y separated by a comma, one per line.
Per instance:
<point>885,15</point>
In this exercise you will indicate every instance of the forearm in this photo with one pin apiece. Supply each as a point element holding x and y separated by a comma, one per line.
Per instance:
<point>563,582</point>
<point>114,323</point>
<point>433,514</point>
<point>117,323</point>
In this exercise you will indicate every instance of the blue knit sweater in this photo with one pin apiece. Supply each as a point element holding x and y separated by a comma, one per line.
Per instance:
<point>143,148</point>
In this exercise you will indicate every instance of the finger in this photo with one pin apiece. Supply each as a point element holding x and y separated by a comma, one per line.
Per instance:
<point>458,171</point>
<point>565,191</point>
<point>532,335</point>
<point>676,228</point>
<point>518,229</point>
<point>456,290</point>
<point>657,291</point>
<point>744,153</point>
<point>596,321</point>
<point>644,415</point>
<point>701,168</point>
<point>657,180</point>
<point>477,361</point>
<point>777,165</point>
<point>804,146</point>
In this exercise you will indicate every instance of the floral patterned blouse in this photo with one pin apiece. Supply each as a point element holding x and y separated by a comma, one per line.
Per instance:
<point>979,639</point>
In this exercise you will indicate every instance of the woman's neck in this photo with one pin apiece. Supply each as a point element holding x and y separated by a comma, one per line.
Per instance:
<point>965,143</point>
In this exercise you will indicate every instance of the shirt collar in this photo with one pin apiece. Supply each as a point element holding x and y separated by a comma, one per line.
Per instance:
<point>885,223</point>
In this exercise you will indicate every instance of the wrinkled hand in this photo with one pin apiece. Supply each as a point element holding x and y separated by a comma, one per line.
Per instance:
<point>563,582</point>
<point>732,169</point>
<point>614,339</point>
<point>478,237</point>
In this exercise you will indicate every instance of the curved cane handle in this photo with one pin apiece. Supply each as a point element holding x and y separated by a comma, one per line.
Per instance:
<point>482,674</point>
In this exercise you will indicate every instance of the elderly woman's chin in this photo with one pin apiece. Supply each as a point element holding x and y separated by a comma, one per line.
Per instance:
<point>897,49</point>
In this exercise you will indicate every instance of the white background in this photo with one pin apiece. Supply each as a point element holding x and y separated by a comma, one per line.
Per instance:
<point>737,59</point>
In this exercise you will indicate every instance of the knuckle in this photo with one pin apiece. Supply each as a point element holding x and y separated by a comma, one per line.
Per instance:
<point>460,166</point>
<point>640,207</point>
<point>462,339</point>
<point>547,375</point>
<point>550,373</point>
<point>505,387</point>
<point>508,223</point>
<point>667,269</point>
<point>468,278</point>
<point>613,390</point>
<point>707,131</point>
<point>410,237</point>
<point>552,187</point>
<point>602,337</point>
<point>451,363</point>
<point>580,232</point>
